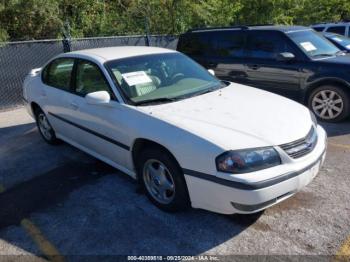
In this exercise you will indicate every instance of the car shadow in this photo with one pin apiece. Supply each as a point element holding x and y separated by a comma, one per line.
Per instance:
<point>13,131</point>
<point>85,207</point>
<point>336,129</point>
<point>46,189</point>
<point>116,220</point>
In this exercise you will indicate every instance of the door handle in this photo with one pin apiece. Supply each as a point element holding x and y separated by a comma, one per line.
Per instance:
<point>211,65</point>
<point>74,105</point>
<point>254,67</point>
<point>43,93</point>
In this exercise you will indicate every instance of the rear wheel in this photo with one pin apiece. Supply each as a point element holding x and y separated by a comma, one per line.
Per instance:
<point>162,179</point>
<point>45,128</point>
<point>329,103</point>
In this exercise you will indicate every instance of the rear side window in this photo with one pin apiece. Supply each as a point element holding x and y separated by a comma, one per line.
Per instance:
<point>228,43</point>
<point>195,44</point>
<point>266,45</point>
<point>58,73</point>
<point>336,29</point>
<point>318,28</point>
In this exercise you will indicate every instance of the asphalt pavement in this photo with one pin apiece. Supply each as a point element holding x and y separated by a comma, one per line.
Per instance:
<point>60,204</point>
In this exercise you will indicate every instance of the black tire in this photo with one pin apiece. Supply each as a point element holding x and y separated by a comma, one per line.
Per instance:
<point>339,94</point>
<point>180,200</point>
<point>49,138</point>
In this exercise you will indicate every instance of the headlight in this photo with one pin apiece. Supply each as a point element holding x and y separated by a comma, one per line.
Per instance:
<point>247,160</point>
<point>313,118</point>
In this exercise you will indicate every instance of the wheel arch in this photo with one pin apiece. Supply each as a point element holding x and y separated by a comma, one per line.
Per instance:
<point>34,107</point>
<point>142,143</point>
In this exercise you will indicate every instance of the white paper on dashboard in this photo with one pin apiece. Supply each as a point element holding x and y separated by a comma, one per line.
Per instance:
<point>308,46</point>
<point>348,46</point>
<point>136,78</point>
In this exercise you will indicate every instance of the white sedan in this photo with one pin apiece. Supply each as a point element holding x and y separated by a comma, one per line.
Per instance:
<point>188,138</point>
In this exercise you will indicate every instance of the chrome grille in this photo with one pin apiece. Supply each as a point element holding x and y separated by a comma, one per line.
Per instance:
<point>303,146</point>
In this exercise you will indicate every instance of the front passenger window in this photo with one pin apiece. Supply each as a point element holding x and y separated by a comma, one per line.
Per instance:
<point>89,79</point>
<point>266,45</point>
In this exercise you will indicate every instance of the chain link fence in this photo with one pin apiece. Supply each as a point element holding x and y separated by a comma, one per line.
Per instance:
<point>18,58</point>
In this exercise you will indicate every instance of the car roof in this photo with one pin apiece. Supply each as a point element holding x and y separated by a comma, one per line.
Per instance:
<point>282,28</point>
<point>345,23</point>
<point>119,52</point>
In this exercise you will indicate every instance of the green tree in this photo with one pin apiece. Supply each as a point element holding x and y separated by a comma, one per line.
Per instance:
<point>37,19</point>
<point>314,11</point>
<point>3,33</point>
<point>30,19</point>
<point>176,16</point>
<point>86,17</point>
<point>267,11</point>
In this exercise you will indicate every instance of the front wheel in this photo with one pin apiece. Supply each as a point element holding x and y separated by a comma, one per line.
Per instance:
<point>329,103</point>
<point>163,180</point>
<point>45,128</point>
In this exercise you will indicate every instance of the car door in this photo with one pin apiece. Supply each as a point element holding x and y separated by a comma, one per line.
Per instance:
<point>227,57</point>
<point>99,128</point>
<point>56,92</point>
<point>265,71</point>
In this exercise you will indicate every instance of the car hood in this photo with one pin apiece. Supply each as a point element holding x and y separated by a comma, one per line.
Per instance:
<point>339,59</point>
<point>238,116</point>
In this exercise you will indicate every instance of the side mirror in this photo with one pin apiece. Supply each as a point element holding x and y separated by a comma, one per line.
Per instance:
<point>211,71</point>
<point>285,56</point>
<point>98,98</point>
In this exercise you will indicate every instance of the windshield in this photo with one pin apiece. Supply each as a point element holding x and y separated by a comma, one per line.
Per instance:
<point>161,77</point>
<point>341,40</point>
<point>312,44</point>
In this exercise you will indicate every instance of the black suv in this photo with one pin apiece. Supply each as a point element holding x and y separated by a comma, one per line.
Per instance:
<point>293,61</point>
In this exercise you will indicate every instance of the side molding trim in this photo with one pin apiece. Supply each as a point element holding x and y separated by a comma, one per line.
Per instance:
<point>117,143</point>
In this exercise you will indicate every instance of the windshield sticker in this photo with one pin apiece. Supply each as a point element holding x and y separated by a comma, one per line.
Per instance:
<point>337,39</point>
<point>308,46</point>
<point>136,78</point>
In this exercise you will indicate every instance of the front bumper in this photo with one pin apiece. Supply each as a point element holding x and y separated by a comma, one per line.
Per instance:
<point>228,196</point>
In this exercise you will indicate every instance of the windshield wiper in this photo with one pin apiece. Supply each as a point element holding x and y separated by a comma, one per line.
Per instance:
<point>172,99</point>
<point>323,55</point>
<point>340,52</point>
<point>156,100</point>
<point>212,89</point>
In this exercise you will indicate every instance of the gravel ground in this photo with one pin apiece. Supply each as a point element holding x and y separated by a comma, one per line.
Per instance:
<point>84,207</point>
